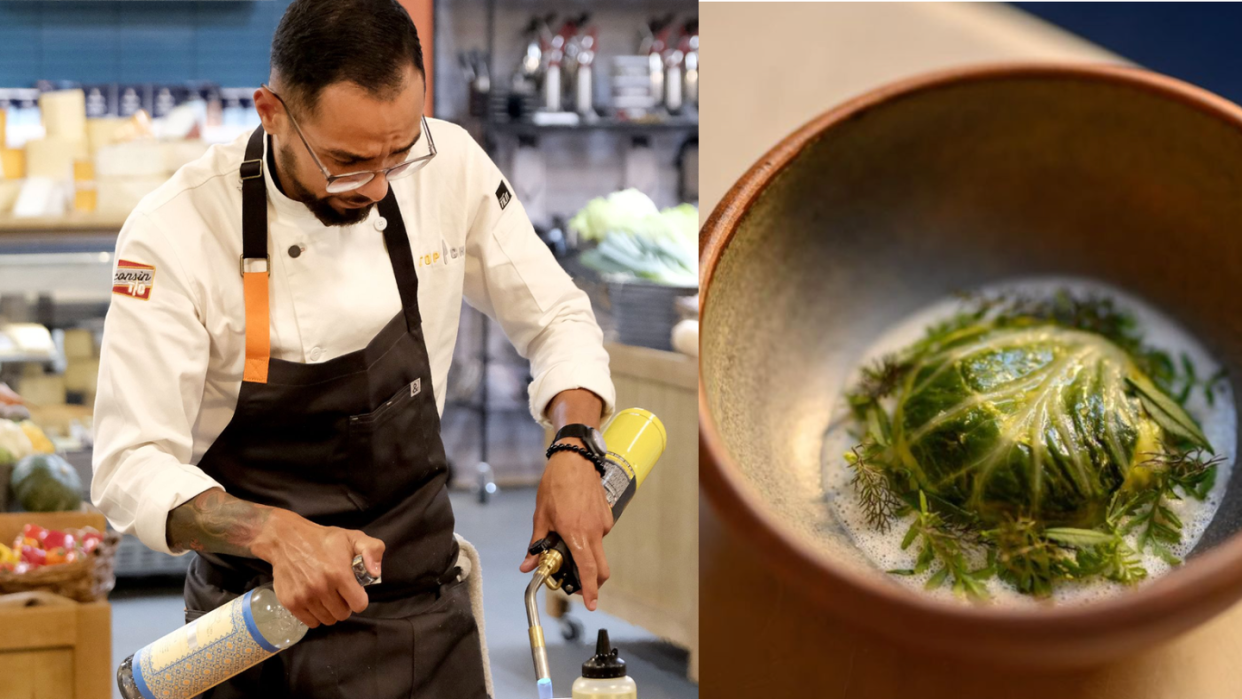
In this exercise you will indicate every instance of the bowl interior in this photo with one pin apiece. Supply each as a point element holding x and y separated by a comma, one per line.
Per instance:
<point>953,187</point>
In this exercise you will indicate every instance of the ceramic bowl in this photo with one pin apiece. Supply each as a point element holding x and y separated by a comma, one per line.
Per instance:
<point>904,195</point>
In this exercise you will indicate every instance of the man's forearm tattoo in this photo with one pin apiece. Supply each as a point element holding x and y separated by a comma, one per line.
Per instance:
<point>216,522</point>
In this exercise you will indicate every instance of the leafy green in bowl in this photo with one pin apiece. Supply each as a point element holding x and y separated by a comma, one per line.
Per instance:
<point>1035,441</point>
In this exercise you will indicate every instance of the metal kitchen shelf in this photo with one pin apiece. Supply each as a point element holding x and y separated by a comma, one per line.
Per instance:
<point>526,128</point>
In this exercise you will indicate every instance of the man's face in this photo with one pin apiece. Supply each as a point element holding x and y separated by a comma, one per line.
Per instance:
<point>351,130</point>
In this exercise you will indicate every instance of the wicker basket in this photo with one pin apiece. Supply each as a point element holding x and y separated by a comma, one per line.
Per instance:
<point>88,579</point>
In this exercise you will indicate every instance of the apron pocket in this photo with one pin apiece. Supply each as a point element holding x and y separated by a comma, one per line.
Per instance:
<point>389,447</point>
<point>390,406</point>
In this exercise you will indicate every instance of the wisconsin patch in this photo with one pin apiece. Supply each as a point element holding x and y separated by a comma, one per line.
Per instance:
<point>502,195</point>
<point>133,279</point>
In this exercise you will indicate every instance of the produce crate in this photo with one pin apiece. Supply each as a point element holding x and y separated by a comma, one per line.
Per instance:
<point>645,313</point>
<point>86,580</point>
<point>54,647</point>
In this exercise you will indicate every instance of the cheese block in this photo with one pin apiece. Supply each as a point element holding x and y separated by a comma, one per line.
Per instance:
<point>42,390</point>
<point>103,131</point>
<point>9,189</point>
<point>178,153</point>
<point>84,170</point>
<point>79,343</point>
<point>12,163</point>
<point>143,158</point>
<point>31,338</point>
<point>81,376</point>
<point>40,196</point>
<point>53,156</point>
<point>119,195</point>
<point>63,113</point>
<point>85,199</point>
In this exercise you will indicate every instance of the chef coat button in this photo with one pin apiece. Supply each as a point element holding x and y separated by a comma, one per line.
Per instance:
<point>295,250</point>
<point>380,223</point>
<point>315,353</point>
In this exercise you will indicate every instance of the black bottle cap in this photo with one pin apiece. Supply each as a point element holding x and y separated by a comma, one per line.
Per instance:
<point>605,664</point>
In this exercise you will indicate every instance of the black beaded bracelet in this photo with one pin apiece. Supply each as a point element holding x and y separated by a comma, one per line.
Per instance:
<point>579,450</point>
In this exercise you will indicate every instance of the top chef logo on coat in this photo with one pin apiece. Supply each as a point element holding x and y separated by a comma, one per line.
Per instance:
<point>133,279</point>
<point>502,195</point>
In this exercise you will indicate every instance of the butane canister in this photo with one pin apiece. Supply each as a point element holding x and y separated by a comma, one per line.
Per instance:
<point>635,440</point>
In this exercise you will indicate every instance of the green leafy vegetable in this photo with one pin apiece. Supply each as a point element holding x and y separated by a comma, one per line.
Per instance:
<point>1043,431</point>
<point>637,240</point>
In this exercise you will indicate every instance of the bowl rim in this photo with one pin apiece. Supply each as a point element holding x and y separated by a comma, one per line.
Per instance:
<point>1213,577</point>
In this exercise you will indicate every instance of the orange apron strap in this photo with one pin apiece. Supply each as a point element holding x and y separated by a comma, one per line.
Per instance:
<point>258,339</point>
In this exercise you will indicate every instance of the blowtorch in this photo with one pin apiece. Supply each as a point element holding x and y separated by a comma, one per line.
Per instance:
<point>634,439</point>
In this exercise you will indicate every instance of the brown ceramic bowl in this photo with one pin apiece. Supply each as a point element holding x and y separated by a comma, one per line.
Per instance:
<point>942,183</point>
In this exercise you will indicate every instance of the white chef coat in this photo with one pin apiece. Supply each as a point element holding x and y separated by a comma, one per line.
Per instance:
<point>171,364</point>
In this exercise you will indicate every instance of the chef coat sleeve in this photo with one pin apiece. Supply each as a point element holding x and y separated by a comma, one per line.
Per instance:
<point>512,276</point>
<point>152,369</point>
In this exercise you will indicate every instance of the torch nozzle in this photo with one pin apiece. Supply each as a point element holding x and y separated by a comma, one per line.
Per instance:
<point>549,564</point>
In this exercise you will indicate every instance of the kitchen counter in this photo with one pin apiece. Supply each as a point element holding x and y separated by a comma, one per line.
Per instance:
<point>75,222</point>
<point>776,67</point>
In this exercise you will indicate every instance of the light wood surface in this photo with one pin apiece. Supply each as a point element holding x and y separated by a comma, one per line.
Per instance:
<point>42,673</point>
<point>653,551</point>
<point>78,222</point>
<point>761,637</point>
<point>58,648</point>
<point>61,651</point>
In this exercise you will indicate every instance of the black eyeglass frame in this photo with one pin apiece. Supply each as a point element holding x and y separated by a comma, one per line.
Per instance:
<point>397,171</point>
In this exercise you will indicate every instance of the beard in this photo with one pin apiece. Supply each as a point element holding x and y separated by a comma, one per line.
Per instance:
<point>320,207</point>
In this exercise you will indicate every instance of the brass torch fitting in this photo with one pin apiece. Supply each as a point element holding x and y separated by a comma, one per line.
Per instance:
<point>549,563</point>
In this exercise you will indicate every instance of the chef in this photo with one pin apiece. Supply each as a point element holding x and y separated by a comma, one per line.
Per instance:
<point>274,362</point>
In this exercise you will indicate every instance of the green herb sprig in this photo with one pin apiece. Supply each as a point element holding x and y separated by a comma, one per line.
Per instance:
<point>879,501</point>
<point>940,545</point>
<point>1146,510</point>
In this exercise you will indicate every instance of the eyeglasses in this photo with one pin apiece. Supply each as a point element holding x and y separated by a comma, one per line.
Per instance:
<point>353,180</point>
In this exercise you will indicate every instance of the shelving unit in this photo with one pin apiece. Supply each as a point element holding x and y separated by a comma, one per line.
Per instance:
<point>526,128</point>
<point>568,142</point>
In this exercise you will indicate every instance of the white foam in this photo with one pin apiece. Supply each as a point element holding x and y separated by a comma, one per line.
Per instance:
<point>1219,423</point>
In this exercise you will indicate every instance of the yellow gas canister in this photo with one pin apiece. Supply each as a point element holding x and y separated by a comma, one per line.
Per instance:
<point>635,439</point>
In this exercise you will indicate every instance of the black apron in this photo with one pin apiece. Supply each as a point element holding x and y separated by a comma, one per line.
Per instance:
<point>352,442</point>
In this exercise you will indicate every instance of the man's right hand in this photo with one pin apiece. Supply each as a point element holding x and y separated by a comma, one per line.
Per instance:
<point>313,567</point>
<point>312,564</point>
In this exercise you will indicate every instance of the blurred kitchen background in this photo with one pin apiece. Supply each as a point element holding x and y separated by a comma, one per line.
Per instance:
<point>589,107</point>
<point>1195,42</point>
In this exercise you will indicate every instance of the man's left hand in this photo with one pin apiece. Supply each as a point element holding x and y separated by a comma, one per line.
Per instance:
<point>572,503</point>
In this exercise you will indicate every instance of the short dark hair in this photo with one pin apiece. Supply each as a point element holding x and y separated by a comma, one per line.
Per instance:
<point>320,42</point>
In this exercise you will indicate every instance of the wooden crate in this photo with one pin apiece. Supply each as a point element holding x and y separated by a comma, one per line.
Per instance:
<point>55,647</point>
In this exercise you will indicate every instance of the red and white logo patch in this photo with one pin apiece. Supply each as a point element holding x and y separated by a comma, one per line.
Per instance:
<point>133,279</point>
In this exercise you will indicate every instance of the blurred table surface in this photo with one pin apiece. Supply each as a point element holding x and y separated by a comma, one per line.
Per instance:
<point>773,68</point>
